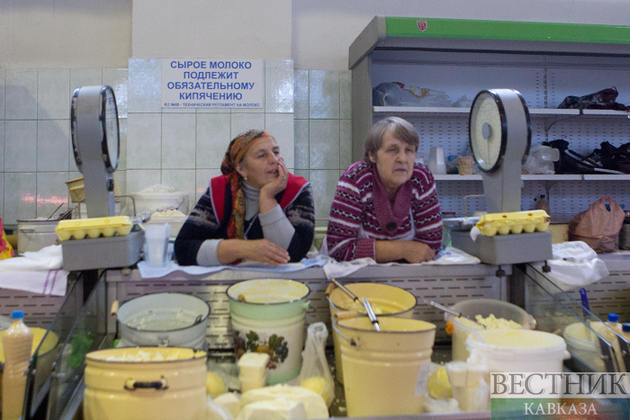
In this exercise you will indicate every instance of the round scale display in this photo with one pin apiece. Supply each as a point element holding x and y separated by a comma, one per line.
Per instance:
<point>108,130</point>
<point>488,126</point>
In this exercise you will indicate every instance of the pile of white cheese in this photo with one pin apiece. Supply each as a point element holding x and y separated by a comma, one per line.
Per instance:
<point>270,403</point>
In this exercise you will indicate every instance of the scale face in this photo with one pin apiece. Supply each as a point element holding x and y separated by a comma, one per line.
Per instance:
<point>96,145</point>
<point>488,135</point>
<point>111,132</point>
<point>500,135</point>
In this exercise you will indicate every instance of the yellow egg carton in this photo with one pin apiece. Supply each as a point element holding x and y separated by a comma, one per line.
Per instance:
<point>513,222</point>
<point>94,227</point>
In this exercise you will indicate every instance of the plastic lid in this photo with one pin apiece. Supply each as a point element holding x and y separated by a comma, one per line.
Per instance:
<point>625,327</point>
<point>17,315</point>
<point>613,318</point>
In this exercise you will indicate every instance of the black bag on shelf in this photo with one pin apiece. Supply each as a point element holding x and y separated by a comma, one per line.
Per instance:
<point>615,158</point>
<point>604,99</point>
<point>571,162</point>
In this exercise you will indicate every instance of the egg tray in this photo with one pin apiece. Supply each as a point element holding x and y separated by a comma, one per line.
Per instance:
<point>93,227</point>
<point>513,222</point>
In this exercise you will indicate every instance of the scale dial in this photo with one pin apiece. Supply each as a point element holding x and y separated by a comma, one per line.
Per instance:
<point>488,127</point>
<point>108,121</point>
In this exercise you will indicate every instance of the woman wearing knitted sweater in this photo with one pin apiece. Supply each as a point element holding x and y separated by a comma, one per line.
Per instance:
<point>386,206</point>
<point>255,211</point>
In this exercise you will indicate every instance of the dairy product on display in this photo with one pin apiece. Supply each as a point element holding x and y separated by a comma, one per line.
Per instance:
<point>214,384</point>
<point>277,409</point>
<point>380,306</point>
<point>253,364</point>
<point>268,291</point>
<point>142,356</point>
<point>313,402</point>
<point>230,402</point>
<point>492,322</point>
<point>315,383</point>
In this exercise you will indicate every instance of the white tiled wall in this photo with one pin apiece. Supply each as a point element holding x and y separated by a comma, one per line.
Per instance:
<point>179,148</point>
<point>35,148</point>
<point>323,128</point>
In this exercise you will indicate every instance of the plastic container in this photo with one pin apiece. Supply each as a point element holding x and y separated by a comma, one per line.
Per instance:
<point>268,315</point>
<point>385,373</point>
<point>613,322</point>
<point>47,342</point>
<point>93,227</point>
<point>517,351</point>
<point>437,165</point>
<point>17,342</point>
<point>150,202</point>
<point>513,222</point>
<point>176,222</point>
<point>156,250</point>
<point>386,300</point>
<point>484,307</point>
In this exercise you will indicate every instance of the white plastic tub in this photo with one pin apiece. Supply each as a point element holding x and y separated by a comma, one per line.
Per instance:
<point>517,351</point>
<point>150,202</point>
<point>484,307</point>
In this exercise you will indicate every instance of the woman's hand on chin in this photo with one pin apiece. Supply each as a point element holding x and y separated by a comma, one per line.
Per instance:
<point>269,191</point>
<point>279,184</point>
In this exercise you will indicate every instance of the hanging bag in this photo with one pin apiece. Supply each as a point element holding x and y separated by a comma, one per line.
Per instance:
<point>599,225</point>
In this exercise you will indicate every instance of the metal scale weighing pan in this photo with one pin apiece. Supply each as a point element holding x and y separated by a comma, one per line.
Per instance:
<point>96,147</point>
<point>499,131</point>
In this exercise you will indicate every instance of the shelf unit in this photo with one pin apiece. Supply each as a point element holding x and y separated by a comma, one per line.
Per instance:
<point>546,62</point>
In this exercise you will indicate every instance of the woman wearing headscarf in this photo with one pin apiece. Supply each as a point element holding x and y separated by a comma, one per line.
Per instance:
<point>386,206</point>
<point>255,211</point>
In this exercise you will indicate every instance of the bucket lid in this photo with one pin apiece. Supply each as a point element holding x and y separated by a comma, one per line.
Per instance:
<point>268,291</point>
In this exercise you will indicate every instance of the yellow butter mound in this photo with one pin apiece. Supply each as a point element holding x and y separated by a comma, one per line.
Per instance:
<point>492,322</point>
<point>438,384</point>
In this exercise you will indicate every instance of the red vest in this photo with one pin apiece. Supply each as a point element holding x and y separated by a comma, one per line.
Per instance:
<point>295,184</point>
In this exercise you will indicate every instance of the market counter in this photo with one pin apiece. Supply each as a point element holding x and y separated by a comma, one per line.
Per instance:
<point>446,284</point>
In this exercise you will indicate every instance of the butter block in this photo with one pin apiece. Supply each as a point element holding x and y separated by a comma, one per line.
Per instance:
<point>230,402</point>
<point>253,365</point>
<point>313,402</point>
<point>214,384</point>
<point>277,409</point>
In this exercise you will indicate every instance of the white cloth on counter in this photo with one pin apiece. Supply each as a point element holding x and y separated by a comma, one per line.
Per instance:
<point>574,265</point>
<point>446,256</point>
<point>148,272</point>
<point>35,272</point>
<point>332,268</point>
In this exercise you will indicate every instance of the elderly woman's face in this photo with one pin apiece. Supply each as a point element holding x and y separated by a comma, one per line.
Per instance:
<point>260,163</point>
<point>394,162</point>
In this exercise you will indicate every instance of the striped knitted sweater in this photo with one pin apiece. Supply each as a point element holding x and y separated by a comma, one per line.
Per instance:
<point>361,201</point>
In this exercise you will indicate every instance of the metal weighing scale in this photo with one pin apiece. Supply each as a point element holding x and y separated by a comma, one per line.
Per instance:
<point>96,147</point>
<point>500,133</point>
